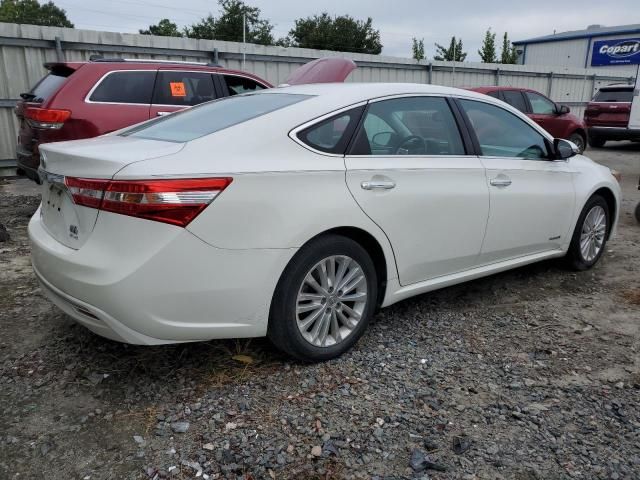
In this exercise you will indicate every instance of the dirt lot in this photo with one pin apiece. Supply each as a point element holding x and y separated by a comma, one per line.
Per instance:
<point>531,374</point>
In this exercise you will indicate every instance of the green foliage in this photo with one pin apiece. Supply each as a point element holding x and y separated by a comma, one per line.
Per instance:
<point>33,13</point>
<point>341,33</point>
<point>509,54</point>
<point>164,28</point>
<point>455,52</point>
<point>418,49</point>
<point>488,52</point>
<point>228,26</point>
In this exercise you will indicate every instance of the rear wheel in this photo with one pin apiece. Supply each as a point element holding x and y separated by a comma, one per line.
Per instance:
<point>579,140</point>
<point>324,299</point>
<point>590,236</point>
<point>596,142</point>
<point>637,212</point>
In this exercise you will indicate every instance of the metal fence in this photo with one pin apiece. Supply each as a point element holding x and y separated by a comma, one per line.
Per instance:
<point>24,49</point>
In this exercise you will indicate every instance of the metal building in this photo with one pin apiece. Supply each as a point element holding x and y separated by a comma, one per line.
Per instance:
<point>608,48</point>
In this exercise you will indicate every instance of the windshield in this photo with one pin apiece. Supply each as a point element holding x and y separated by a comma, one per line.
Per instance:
<point>211,117</point>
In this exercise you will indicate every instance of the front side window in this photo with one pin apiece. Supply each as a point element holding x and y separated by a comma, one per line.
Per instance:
<point>409,126</point>
<point>201,120</point>
<point>125,87</point>
<point>541,105</point>
<point>502,134</point>
<point>239,85</point>
<point>515,99</point>
<point>333,134</point>
<point>183,88</point>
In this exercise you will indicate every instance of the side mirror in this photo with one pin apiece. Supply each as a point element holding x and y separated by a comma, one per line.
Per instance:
<point>564,149</point>
<point>562,109</point>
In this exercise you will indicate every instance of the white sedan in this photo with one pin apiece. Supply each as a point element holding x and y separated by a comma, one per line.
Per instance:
<point>296,212</point>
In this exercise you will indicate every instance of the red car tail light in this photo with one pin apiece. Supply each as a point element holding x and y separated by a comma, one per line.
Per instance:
<point>46,118</point>
<point>176,201</point>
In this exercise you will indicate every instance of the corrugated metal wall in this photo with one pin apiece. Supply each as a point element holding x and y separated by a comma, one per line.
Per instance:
<point>24,48</point>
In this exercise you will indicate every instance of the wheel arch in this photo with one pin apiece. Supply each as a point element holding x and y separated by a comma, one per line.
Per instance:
<point>610,198</point>
<point>373,247</point>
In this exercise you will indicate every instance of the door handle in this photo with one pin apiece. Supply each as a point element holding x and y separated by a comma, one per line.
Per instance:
<point>500,182</point>
<point>378,185</point>
<point>162,114</point>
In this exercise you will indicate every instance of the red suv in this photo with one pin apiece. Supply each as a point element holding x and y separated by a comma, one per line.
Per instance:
<point>86,99</point>
<point>555,119</point>
<point>607,115</point>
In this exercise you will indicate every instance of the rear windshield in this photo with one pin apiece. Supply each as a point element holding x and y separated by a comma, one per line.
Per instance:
<point>45,88</point>
<point>210,117</point>
<point>614,95</point>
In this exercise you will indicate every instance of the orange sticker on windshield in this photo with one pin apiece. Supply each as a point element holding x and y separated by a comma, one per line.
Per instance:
<point>177,89</point>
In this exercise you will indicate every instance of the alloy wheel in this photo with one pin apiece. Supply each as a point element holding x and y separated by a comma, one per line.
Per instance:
<point>331,300</point>
<point>593,233</point>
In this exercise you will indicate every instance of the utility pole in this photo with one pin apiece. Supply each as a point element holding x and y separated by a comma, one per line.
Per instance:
<point>453,79</point>
<point>244,39</point>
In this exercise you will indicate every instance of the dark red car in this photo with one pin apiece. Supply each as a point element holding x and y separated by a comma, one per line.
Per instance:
<point>555,119</point>
<point>607,115</point>
<point>85,99</point>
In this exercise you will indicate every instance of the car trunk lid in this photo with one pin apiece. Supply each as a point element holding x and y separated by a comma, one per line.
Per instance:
<point>608,114</point>
<point>99,158</point>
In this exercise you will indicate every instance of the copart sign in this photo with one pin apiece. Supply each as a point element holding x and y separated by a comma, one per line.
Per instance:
<point>616,52</point>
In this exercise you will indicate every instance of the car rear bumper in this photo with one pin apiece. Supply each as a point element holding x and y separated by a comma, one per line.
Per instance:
<point>173,288</point>
<point>614,133</point>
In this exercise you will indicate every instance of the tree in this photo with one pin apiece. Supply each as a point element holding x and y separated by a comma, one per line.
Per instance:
<point>33,13</point>
<point>454,53</point>
<point>229,25</point>
<point>341,33</point>
<point>509,53</point>
<point>418,49</point>
<point>164,28</point>
<point>488,50</point>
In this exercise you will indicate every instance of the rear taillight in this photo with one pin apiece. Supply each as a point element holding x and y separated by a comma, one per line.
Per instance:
<point>46,118</point>
<point>176,201</point>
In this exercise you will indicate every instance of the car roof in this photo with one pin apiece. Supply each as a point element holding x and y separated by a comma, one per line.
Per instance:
<point>487,89</point>
<point>141,64</point>
<point>352,92</point>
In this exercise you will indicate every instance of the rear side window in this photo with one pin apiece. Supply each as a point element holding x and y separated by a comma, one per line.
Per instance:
<point>45,88</point>
<point>239,85</point>
<point>183,88</point>
<point>409,126</point>
<point>332,135</point>
<point>208,118</point>
<point>515,99</point>
<point>125,87</point>
<point>614,95</point>
<point>494,94</point>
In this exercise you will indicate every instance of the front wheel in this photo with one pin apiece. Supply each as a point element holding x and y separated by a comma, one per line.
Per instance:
<point>578,139</point>
<point>324,299</point>
<point>590,235</point>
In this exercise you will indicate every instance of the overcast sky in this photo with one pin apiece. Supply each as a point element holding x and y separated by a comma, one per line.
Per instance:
<point>397,20</point>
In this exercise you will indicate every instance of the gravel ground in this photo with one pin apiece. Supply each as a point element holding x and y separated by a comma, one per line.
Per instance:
<point>530,374</point>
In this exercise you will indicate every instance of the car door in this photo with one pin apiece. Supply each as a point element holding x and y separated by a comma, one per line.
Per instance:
<point>545,113</point>
<point>532,196</point>
<point>178,89</point>
<point>410,171</point>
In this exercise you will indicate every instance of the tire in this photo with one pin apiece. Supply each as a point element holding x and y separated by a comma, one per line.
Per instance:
<point>596,142</point>
<point>286,324</point>
<point>637,212</point>
<point>579,140</point>
<point>595,207</point>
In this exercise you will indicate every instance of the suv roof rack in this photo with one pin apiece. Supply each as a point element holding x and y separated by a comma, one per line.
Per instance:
<point>100,58</point>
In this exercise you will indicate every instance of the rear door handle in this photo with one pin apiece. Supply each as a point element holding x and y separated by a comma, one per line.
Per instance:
<point>378,185</point>
<point>500,182</point>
